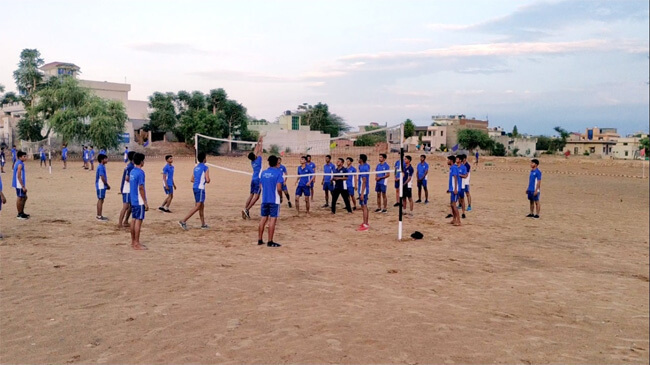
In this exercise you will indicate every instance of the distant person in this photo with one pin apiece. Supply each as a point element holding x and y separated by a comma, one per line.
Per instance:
<point>91,158</point>
<point>125,189</point>
<point>453,190</point>
<point>352,187</point>
<point>423,176</point>
<point>567,153</point>
<point>381,185</point>
<point>285,190</point>
<point>340,184</point>
<point>256,163</point>
<point>326,182</point>
<point>312,166</point>
<point>272,181</point>
<point>168,184</point>
<point>126,154</point>
<point>64,155</point>
<point>3,200</point>
<point>200,177</point>
<point>84,154</point>
<point>41,154</point>
<point>303,183</point>
<point>19,183</point>
<point>407,189</point>
<point>2,160</point>
<point>398,172</point>
<point>533,191</point>
<point>476,155</point>
<point>101,184</point>
<point>138,199</point>
<point>462,174</point>
<point>364,187</point>
<point>465,183</point>
<point>103,151</point>
<point>13,156</point>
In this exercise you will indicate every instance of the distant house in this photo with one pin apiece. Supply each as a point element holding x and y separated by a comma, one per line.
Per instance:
<point>627,148</point>
<point>595,141</point>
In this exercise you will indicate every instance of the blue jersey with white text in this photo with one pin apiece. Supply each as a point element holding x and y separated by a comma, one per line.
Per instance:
<point>199,176</point>
<point>364,168</point>
<point>168,170</point>
<point>256,164</point>
<point>533,178</point>
<point>136,179</point>
<point>270,178</point>
<point>101,171</point>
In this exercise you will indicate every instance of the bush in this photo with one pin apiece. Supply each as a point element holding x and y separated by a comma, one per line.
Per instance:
<point>498,149</point>
<point>515,151</point>
<point>275,149</point>
<point>287,150</point>
<point>586,153</point>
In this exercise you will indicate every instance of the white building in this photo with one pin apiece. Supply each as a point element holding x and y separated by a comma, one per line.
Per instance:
<point>627,148</point>
<point>289,135</point>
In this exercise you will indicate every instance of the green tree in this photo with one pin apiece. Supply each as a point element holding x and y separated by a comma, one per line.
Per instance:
<point>28,76</point>
<point>371,139</point>
<point>203,122</point>
<point>409,128</point>
<point>543,143</point>
<point>163,118</point>
<point>420,141</point>
<point>515,132</point>
<point>319,118</point>
<point>644,144</point>
<point>498,149</point>
<point>472,138</point>
<point>558,143</point>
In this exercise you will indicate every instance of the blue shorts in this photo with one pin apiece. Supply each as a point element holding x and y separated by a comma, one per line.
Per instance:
<point>20,193</point>
<point>380,187</point>
<point>284,187</point>
<point>0,204</point>
<point>304,189</point>
<point>312,184</point>
<point>363,200</point>
<point>270,210</point>
<point>64,158</point>
<point>101,193</point>
<point>168,189</point>
<point>255,187</point>
<point>532,197</point>
<point>199,195</point>
<point>137,212</point>
<point>125,198</point>
<point>42,158</point>
<point>351,191</point>
<point>422,183</point>
<point>327,186</point>
<point>466,188</point>
<point>453,198</point>
<point>461,194</point>
<point>396,184</point>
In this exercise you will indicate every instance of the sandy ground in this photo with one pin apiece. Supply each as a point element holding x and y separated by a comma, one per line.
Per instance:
<point>571,287</point>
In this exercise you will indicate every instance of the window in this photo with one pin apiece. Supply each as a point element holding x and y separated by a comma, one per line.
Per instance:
<point>442,133</point>
<point>295,123</point>
<point>592,149</point>
<point>625,153</point>
<point>625,144</point>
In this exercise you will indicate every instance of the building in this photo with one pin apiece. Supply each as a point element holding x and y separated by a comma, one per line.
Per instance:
<point>595,141</point>
<point>289,135</point>
<point>525,146</point>
<point>628,148</point>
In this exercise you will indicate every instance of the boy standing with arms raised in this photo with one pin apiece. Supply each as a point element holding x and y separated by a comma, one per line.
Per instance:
<point>533,191</point>
<point>200,177</point>
<point>138,199</point>
<point>256,164</point>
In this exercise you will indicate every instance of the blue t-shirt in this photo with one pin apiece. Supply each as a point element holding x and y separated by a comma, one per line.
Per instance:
<point>136,179</point>
<point>328,168</point>
<point>351,169</point>
<point>126,188</point>
<point>535,176</point>
<point>169,171</point>
<point>462,170</point>
<point>364,168</point>
<point>85,155</point>
<point>453,179</point>
<point>14,182</point>
<point>423,167</point>
<point>468,167</point>
<point>382,167</point>
<point>13,154</point>
<point>302,171</point>
<point>0,183</point>
<point>270,179</point>
<point>409,171</point>
<point>101,171</point>
<point>102,151</point>
<point>126,155</point>
<point>341,184</point>
<point>92,154</point>
<point>257,168</point>
<point>64,152</point>
<point>42,152</point>
<point>284,172</point>
<point>312,166</point>
<point>199,176</point>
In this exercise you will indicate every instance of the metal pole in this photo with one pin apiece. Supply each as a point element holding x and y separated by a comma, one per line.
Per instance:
<point>401,180</point>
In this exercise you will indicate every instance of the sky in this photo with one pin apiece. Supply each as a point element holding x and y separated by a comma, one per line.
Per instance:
<point>534,64</point>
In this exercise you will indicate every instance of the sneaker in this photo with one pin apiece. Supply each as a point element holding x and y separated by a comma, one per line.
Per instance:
<point>101,218</point>
<point>26,215</point>
<point>183,225</point>
<point>355,208</point>
<point>531,215</point>
<point>463,216</point>
<point>363,228</point>
<point>377,210</point>
<point>469,208</point>
<point>460,206</point>
<point>325,205</point>
<point>384,211</point>
<point>162,209</point>
<point>273,244</point>
<point>289,203</point>
<point>167,210</point>
<point>245,214</point>
<point>418,201</point>
<point>426,202</point>
<point>260,242</point>
<point>21,216</point>
<point>536,216</point>
<point>449,215</point>
<point>396,205</point>
<point>204,226</point>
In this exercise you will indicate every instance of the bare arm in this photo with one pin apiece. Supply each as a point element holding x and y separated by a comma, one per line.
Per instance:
<point>258,147</point>
<point>19,176</point>
<point>207,176</point>
<point>144,196</point>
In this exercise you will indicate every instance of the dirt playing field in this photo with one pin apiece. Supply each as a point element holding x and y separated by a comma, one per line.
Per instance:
<point>571,287</point>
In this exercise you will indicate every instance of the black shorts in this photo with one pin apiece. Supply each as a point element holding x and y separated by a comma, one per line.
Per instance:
<point>407,193</point>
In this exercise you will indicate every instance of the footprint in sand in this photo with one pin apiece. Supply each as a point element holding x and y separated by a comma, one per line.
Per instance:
<point>334,344</point>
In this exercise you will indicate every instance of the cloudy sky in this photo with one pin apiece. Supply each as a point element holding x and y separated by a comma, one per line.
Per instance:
<point>534,64</point>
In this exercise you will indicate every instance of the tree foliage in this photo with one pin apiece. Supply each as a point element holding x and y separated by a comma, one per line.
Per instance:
<point>498,149</point>
<point>371,139</point>
<point>472,138</point>
<point>515,132</point>
<point>28,76</point>
<point>558,143</point>
<point>164,117</point>
<point>319,118</point>
<point>409,128</point>
<point>644,144</point>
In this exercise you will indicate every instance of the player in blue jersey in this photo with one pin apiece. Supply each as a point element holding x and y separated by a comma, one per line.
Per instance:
<point>272,180</point>
<point>312,166</point>
<point>168,184</point>
<point>284,181</point>
<point>103,151</point>
<point>64,155</point>
<point>326,182</point>
<point>256,164</point>
<point>398,172</point>
<point>381,184</point>
<point>138,200</point>
<point>407,189</point>
<point>19,183</point>
<point>462,174</point>
<point>303,183</point>
<point>465,185</point>
<point>423,177</point>
<point>91,158</point>
<point>126,154</point>
<point>84,155</point>
<point>340,186</point>
<point>3,200</point>
<point>2,160</point>
<point>101,184</point>
<point>351,183</point>
<point>533,190</point>
<point>125,190</point>
<point>364,187</point>
<point>41,155</point>
<point>13,156</point>
<point>453,188</point>
<point>200,177</point>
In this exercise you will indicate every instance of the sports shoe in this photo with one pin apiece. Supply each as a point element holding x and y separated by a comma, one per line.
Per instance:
<point>245,214</point>
<point>21,216</point>
<point>260,242</point>
<point>167,210</point>
<point>536,216</point>
<point>426,202</point>
<point>384,211</point>
<point>377,210</point>
<point>101,218</point>
<point>162,209</point>
<point>531,215</point>
<point>463,216</point>
<point>355,208</point>
<point>418,201</point>
<point>396,205</point>
<point>183,225</point>
<point>325,205</point>
<point>289,203</point>
<point>449,215</point>
<point>363,228</point>
<point>204,226</point>
<point>469,208</point>
<point>273,244</point>
<point>460,206</point>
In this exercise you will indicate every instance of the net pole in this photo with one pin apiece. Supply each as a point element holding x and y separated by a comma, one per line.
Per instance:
<point>401,181</point>
<point>196,148</point>
<point>49,152</point>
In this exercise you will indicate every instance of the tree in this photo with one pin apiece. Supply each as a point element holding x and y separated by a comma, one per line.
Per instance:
<point>420,141</point>
<point>558,144</point>
<point>543,143</point>
<point>28,76</point>
<point>644,144</point>
<point>409,128</point>
<point>498,149</point>
<point>472,138</point>
<point>371,139</point>
<point>319,118</point>
<point>203,122</point>
<point>9,98</point>
<point>515,132</point>
<point>163,118</point>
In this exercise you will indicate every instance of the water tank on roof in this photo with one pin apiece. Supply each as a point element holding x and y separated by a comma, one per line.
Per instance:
<point>288,112</point>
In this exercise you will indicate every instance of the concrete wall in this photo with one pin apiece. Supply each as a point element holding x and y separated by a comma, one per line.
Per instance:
<point>626,148</point>
<point>594,148</point>
<point>526,146</point>
<point>311,142</point>
<point>108,90</point>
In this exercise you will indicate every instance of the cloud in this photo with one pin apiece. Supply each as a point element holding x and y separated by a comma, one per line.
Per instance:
<point>314,78</point>
<point>166,48</point>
